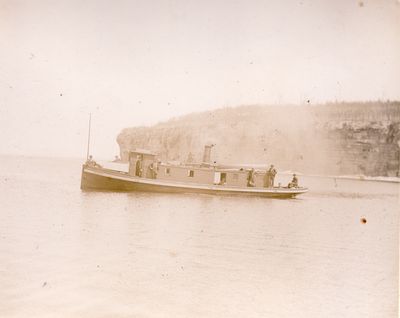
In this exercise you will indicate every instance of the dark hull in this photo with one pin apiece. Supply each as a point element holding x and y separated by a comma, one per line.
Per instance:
<point>101,179</point>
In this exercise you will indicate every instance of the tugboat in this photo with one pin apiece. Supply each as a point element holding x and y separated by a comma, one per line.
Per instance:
<point>147,173</point>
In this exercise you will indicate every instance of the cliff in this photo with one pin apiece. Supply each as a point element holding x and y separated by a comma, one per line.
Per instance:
<point>334,139</point>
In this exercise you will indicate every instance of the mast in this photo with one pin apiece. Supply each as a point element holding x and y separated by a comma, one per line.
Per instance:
<point>88,142</point>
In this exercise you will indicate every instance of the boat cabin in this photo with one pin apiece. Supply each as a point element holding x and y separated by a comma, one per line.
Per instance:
<point>144,163</point>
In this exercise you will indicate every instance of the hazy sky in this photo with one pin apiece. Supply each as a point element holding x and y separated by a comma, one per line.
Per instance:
<point>139,62</point>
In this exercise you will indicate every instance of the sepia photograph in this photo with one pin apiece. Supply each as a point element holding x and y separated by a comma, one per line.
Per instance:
<point>199,159</point>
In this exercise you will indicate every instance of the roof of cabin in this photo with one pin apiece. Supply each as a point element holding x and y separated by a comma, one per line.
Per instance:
<point>143,151</point>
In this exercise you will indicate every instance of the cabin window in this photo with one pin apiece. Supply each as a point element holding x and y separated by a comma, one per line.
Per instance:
<point>191,173</point>
<point>167,171</point>
<point>235,177</point>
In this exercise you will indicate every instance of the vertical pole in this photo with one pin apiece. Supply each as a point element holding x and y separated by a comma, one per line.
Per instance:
<point>398,168</point>
<point>88,142</point>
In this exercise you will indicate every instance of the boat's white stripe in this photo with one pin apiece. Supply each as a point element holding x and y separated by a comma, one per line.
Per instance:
<point>197,186</point>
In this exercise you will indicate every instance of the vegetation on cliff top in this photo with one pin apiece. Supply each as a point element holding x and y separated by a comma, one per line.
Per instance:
<point>334,138</point>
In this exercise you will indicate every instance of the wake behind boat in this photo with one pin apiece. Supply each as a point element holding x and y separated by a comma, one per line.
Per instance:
<point>147,173</point>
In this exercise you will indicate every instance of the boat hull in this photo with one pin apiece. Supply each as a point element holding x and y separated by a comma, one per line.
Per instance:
<point>110,180</point>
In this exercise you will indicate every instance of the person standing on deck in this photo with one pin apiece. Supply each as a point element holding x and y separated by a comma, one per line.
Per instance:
<point>138,167</point>
<point>250,178</point>
<point>152,171</point>
<point>272,173</point>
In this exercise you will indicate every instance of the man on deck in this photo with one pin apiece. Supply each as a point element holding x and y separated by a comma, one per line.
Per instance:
<point>250,178</point>
<point>152,171</point>
<point>294,183</point>
<point>272,173</point>
<point>91,163</point>
<point>138,166</point>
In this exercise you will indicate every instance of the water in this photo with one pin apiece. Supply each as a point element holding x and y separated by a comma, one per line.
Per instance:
<point>67,253</point>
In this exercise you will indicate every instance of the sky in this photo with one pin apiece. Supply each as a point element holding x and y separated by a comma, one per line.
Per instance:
<point>133,63</point>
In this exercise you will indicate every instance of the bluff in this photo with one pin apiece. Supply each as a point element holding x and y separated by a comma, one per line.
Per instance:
<point>333,138</point>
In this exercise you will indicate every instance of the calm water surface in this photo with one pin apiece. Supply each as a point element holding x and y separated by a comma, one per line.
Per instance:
<point>67,253</point>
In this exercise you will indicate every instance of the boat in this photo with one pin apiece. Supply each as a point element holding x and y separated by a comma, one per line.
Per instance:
<point>148,174</point>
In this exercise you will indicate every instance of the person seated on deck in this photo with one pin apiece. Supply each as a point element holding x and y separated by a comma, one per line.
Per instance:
<point>91,163</point>
<point>250,178</point>
<point>294,183</point>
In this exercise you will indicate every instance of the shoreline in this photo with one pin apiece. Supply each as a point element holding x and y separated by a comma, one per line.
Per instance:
<point>346,177</point>
<point>350,177</point>
<point>122,165</point>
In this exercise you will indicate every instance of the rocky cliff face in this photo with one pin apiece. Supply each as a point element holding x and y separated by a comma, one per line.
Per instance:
<point>334,139</point>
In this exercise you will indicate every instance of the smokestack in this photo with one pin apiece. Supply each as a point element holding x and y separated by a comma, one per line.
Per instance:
<point>207,155</point>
